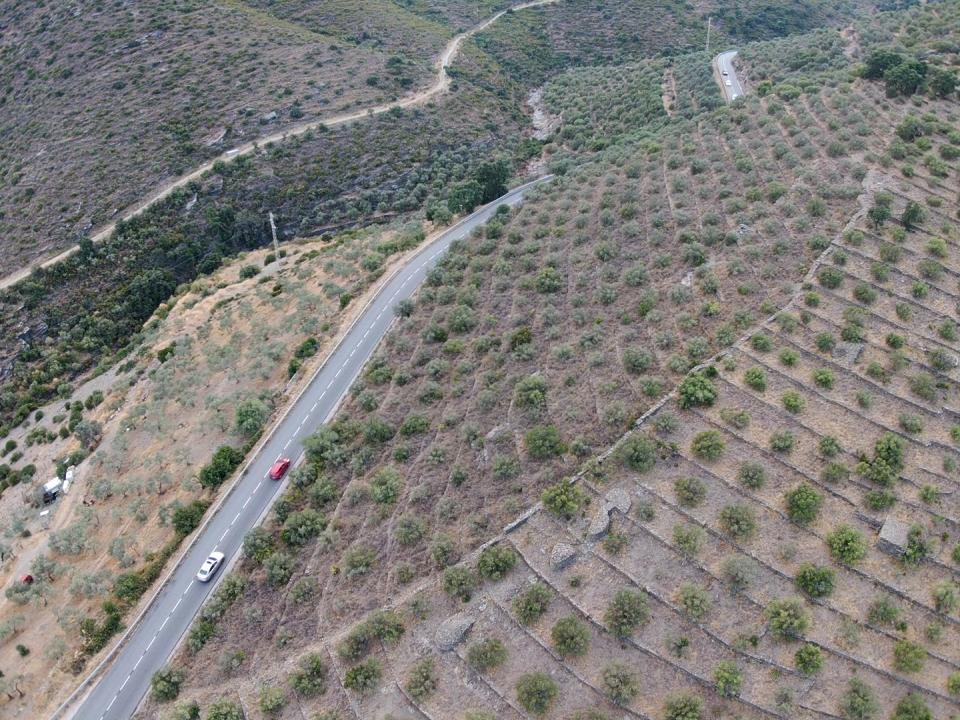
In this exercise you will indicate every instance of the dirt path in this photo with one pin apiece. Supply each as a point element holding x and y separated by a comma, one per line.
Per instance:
<point>439,85</point>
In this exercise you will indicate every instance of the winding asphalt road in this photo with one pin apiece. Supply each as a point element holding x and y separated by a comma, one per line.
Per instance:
<point>154,637</point>
<point>439,85</point>
<point>724,64</point>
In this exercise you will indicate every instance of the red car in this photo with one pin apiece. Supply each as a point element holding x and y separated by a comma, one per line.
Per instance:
<point>279,468</point>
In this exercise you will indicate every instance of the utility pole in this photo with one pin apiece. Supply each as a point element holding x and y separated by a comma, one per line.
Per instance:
<point>276,245</point>
<point>709,21</point>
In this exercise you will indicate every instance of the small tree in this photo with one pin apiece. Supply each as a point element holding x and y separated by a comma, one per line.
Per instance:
<point>738,521</point>
<point>496,561</point>
<point>486,654</point>
<point>310,677</point>
<point>564,499</point>
<point>708,445</point>
<point>532,604</point>
<point>224,710</point>
<point>620,683</point>
<point>459,582</point>
<point>165,684</point>
<point>272,700</point>
<point>626,612</point>
<point>908,656</point>
<point>638,452</point>
<point>727,679</point>
<point>859,702</point>
<point>912,707</point>
<point>683,707</point>
<point>536,692</point>
<point>363,678</point>
<point>570,637</point>
<point>787,618</point>
<point>809,659</point>
<point>847,545</point>
<point>696,390</point>
<point>803,504</point>
<point>422,681</point>
<point>258,544</point>
<point>252,414</point>
<point>690,491</point>
<point>815,580</point>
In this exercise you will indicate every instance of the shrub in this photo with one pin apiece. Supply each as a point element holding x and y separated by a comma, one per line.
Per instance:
<point>279,568</point>
<point>793,401</point>
<point>787,618</point>
<point>688,538</point>
<point>830,277</point>
<point>908,656</point>
<point>782,442</point>
<point>752,475</point>
<point>847,545</point>
<point>626,612</point>
<point>803,504</point>
<point>252,414</point>
<point>620,683</point>
<point>953,683</point>
<point>830,446</point>
<point>727,679</point>
<point>859,702</point>
<point>225,460</point>
<point>363,678</point>
<point>911,707</point>
<point>409,530</point>
<point>531,393</point>
<point>738,521</point>
<point>690,491</point>
<point>564,499</point>
<point>945,597</point>
<point>739,571</point>
<point>761,342</point>
<point>708,445</point>
<point>696,390</point>
<point>358,561</point>
<point>883,612</point>
<point>530,605</point>
<point>422,680</point>
<point>459,582</point>
<point>570,637</point>
<point>815,580</point>
<point>638,452</point>
<point>309,678</point>
<point>544,442</point>
<point>272,700</point>
<point>225,710</point>
<point>486,654</point>
<point>496,561</point>
<point>695,601</point>
<point>302,526</point>
<point>808,659</point>
<point>683,707</point>
<point>536,692</point>
<point>756,378</point>
<point>165,684</point>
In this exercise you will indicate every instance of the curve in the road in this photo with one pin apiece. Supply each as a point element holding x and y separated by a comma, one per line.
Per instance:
<point>439,85</point>
<point>124,676</point>
<point>724,72</point>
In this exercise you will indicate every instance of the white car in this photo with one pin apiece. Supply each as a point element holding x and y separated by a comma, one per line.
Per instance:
<point>725,72</point>
<point>727,83</point>
<point>210,567</point>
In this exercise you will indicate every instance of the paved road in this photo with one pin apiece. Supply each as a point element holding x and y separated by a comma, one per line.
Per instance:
<point>439,85</point>
<point>152,641</point>
<point>724,64</point>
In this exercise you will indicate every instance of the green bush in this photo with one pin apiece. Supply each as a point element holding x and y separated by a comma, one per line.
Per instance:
<point>422,680</point>
<point>536,692</point>
<point>708,445</point>
<point>165,684</point>
<point>908,656</point>
<point>782,442</point>
<point>279,568</point>
<point>738,521</point>
<point>787,618</point>
<point>683,707</point>
<point>688,538</point>
<point>803,504</point>
<point>945,597</point>
<point>690,491</point>
<point>272,700</point>
<point>696,390</point>
<point>496,561</point>
<point>531,604</point>
<point>358,561</point>
<point>752,475</point>
<point>859,702</point>
<point>570,637</point>
<point>565,499</point>
<point>225,710</point>
<point>695,601</point>
<point>544,442</point>
<point>808,659</point>
<point>363,678</point>
<point>761,342</point>
<point>309,678</point>
<point>847,545</point>
<point>225,461</point>
<point>739,571</point>
<point>638,452</point>
<point>793,401</point>
<point>620,683</point>
<point>911,707</point>
<point>756,378</point>
<point>627,611</point>
<point>727,679</point>
<point>486,654</point>
<point>815,580</point>
<point>459,582</point>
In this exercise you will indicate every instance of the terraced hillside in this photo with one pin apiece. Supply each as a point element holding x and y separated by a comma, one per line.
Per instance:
<point>768,289</point>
